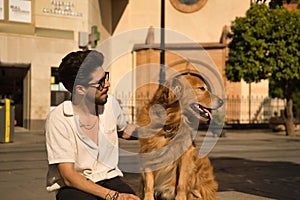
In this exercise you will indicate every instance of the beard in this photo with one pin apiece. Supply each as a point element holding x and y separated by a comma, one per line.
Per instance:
<point>101,97</point>
<point>97,98</point>
<point>100,101</point>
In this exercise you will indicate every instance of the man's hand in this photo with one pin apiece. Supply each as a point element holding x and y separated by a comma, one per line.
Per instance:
<point>129,133</point>
<point>124,196</point>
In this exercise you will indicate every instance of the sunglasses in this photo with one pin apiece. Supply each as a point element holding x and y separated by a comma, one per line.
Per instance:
<point>101,83</point>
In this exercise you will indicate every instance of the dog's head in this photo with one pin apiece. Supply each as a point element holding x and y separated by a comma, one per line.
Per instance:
<point>196,99</point>
<point>186,94</point>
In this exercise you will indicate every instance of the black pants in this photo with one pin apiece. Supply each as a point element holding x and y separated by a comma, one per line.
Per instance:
<point>116,184</point>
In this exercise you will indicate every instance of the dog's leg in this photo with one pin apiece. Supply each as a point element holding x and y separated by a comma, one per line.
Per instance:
<point>205,182</point>
<point>148,178</point>
<point>186,168</point>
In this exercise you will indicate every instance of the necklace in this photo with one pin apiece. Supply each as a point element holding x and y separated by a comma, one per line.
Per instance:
<point>88,126</point>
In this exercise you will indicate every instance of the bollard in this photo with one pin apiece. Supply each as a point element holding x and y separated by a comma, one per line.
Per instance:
<point>6,121</point>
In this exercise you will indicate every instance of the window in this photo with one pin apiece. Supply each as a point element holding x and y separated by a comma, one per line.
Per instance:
<point>16,11</point>
<point>58,91</point>
<point>1,9</point>
<point>188,6</point>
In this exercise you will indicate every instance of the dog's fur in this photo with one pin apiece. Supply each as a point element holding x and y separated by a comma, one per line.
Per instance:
<point>172,166</point>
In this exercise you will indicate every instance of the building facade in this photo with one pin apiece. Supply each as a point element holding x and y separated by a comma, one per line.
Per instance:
<point>36,34</point>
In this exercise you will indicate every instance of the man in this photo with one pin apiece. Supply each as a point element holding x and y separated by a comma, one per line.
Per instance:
<point>82,134</point>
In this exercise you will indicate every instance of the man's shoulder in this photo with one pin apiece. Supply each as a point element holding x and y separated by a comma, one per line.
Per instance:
<point>64,108</point>
<point>112,100</point>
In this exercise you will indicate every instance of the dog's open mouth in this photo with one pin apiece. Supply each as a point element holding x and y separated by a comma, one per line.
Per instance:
<point>203,112</point>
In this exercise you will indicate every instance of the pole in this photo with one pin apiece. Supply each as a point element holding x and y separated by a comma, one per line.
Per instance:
<point>250,96</point>
<point>162,44</point>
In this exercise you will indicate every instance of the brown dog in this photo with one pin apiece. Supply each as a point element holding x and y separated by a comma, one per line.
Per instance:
<point>172,166</point>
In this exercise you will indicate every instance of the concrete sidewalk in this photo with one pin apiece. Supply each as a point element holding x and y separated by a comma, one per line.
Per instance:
<point>248,164</point>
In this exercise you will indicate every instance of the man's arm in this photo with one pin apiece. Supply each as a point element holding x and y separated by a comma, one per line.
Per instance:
<point>129,133</point>
<point>125,130</point>
<point>76,180</point>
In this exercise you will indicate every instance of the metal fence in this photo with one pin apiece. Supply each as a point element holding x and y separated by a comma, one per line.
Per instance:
<point>253,109</point>
<point>131,104</point>
<point>239,109</point>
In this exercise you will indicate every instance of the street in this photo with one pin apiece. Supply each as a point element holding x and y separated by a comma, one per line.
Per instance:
<point>248,164</point>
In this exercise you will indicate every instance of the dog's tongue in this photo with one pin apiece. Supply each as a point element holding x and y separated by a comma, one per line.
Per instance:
<point>202,109</point>
<point>209,113</point>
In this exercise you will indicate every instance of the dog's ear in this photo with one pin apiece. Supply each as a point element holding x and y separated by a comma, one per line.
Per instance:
<point>175,89</point>
<point>168,93</point>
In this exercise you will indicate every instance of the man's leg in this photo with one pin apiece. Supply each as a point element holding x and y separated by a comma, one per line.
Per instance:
<point>68,193</point>
<point>117,184</point>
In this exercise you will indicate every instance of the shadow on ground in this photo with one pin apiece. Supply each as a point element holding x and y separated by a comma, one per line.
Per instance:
<point>276,180</point>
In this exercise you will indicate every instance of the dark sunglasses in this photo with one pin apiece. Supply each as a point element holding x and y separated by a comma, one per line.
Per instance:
<point>101,83</point>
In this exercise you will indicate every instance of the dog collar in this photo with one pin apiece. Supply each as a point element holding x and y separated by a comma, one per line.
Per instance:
<point>169,135</point>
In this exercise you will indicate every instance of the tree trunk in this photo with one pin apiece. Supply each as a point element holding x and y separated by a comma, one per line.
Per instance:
<point>289,119</point>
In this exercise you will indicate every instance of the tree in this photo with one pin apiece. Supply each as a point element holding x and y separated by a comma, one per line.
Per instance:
<point>266,45</point>
<point>275,3</point>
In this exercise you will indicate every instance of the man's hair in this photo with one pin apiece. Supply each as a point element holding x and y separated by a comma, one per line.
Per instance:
<point>76,68</point>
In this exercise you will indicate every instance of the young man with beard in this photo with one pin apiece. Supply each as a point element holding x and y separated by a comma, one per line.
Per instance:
<point>82,134</point>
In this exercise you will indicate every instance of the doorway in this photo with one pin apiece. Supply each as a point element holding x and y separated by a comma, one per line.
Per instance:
<point>12,87</point>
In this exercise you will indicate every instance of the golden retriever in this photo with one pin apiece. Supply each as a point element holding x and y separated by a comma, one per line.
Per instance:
<point>171,164</point>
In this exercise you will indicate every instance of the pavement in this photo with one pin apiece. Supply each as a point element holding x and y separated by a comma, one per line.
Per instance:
<point>248,165</point>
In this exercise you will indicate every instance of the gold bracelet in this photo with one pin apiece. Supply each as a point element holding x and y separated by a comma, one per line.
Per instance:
<point>115,196</point>
<point>107,196</point>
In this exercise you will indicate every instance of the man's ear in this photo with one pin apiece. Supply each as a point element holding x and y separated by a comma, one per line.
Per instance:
<point>79,89</point>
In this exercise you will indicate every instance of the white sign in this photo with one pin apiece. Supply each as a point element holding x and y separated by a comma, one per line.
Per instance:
<point>1,9</point>
<point>62,8</point>
<point>20,11</point>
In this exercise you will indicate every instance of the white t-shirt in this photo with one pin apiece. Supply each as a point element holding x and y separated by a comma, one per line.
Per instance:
<point>67,143</point>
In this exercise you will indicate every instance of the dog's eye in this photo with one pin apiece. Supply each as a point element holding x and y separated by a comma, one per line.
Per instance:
<point>202,88</point>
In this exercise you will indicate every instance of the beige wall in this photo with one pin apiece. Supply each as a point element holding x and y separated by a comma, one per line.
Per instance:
<point>43,43</point>
<point>41,54</point>
<point>204,25</point>
<point>46,41</point>
<point>91,15</point>
<point>61,22</point>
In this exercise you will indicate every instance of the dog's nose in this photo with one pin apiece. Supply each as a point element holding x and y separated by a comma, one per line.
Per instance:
<point>221,102</point>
